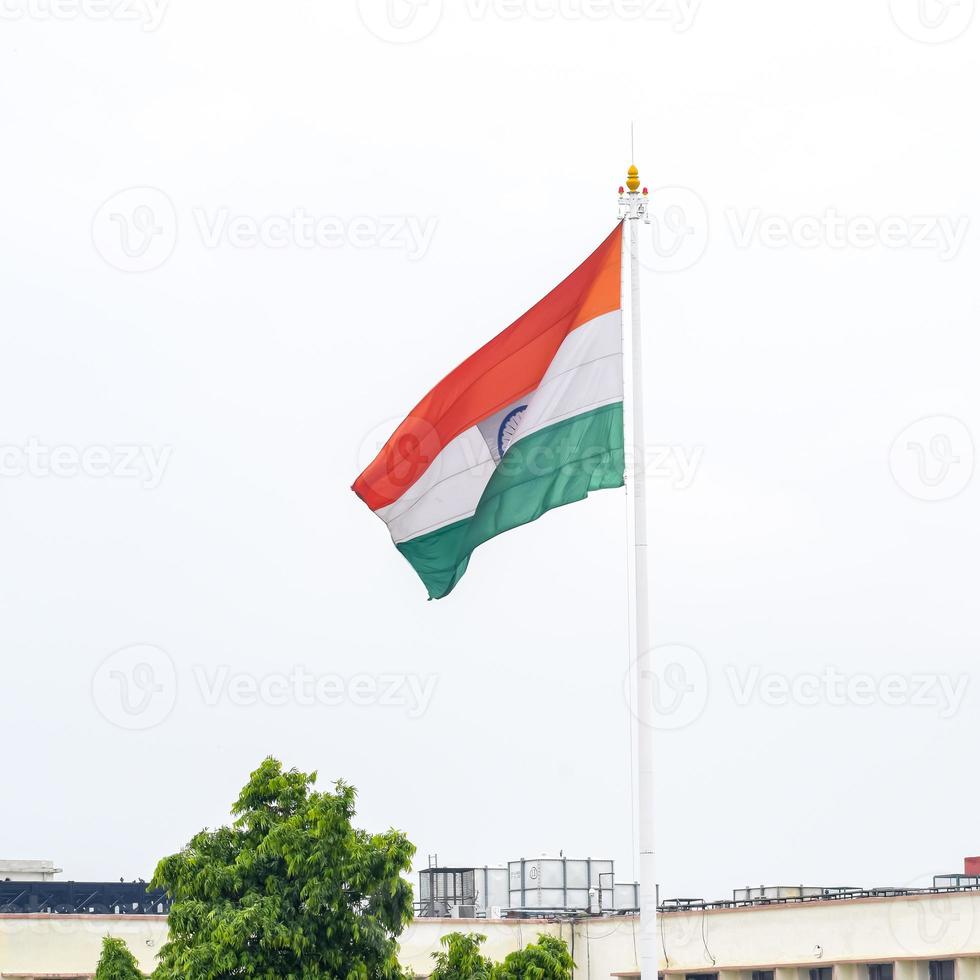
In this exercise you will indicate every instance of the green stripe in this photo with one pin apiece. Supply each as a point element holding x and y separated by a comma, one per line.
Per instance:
<point>558,465</point>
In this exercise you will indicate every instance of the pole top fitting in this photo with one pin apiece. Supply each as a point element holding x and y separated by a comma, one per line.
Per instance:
<point>632,204</point>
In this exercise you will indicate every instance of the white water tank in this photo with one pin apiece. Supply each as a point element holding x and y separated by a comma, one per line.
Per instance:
<point>559,883</point>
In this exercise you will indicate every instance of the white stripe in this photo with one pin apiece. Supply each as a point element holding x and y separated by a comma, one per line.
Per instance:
<point>447,491</point>
<point>586,372</point>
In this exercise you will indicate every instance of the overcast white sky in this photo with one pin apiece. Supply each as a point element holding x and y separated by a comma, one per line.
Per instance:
<point>189,388</point>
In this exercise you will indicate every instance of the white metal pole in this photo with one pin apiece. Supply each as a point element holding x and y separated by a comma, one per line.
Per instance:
<point>648,947</point>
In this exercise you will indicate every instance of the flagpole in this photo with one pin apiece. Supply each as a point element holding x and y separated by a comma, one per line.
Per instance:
<point>634,208</point>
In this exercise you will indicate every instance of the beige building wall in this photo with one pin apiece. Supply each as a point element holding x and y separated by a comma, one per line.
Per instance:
<point>69,945</point>
<point>906,930</point>
<point>917,927</point>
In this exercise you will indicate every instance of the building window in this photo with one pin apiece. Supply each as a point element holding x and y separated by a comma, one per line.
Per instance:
<point>940,970</point>
<point>881,971</point>
<point>702,976</point>
<point>763,975</point>
<point>822,973</point>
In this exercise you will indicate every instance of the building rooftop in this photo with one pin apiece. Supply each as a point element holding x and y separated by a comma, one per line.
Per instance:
<point>27,870</point>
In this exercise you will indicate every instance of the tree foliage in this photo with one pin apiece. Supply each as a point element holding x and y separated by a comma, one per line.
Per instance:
<point>116,962</point>
<point>290,890</point>
<point>462,959</point>
<point>547,959</point>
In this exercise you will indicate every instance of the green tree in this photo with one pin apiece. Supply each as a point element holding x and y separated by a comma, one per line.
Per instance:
<point>547,959</point>
<point>116,962</point>
<point>289,890</point>
<point>461,959</point>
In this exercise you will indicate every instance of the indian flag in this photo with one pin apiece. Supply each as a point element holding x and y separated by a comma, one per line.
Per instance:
<point>532,421</point>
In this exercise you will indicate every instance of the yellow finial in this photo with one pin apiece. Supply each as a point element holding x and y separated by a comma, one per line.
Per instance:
<point>633,179</point>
